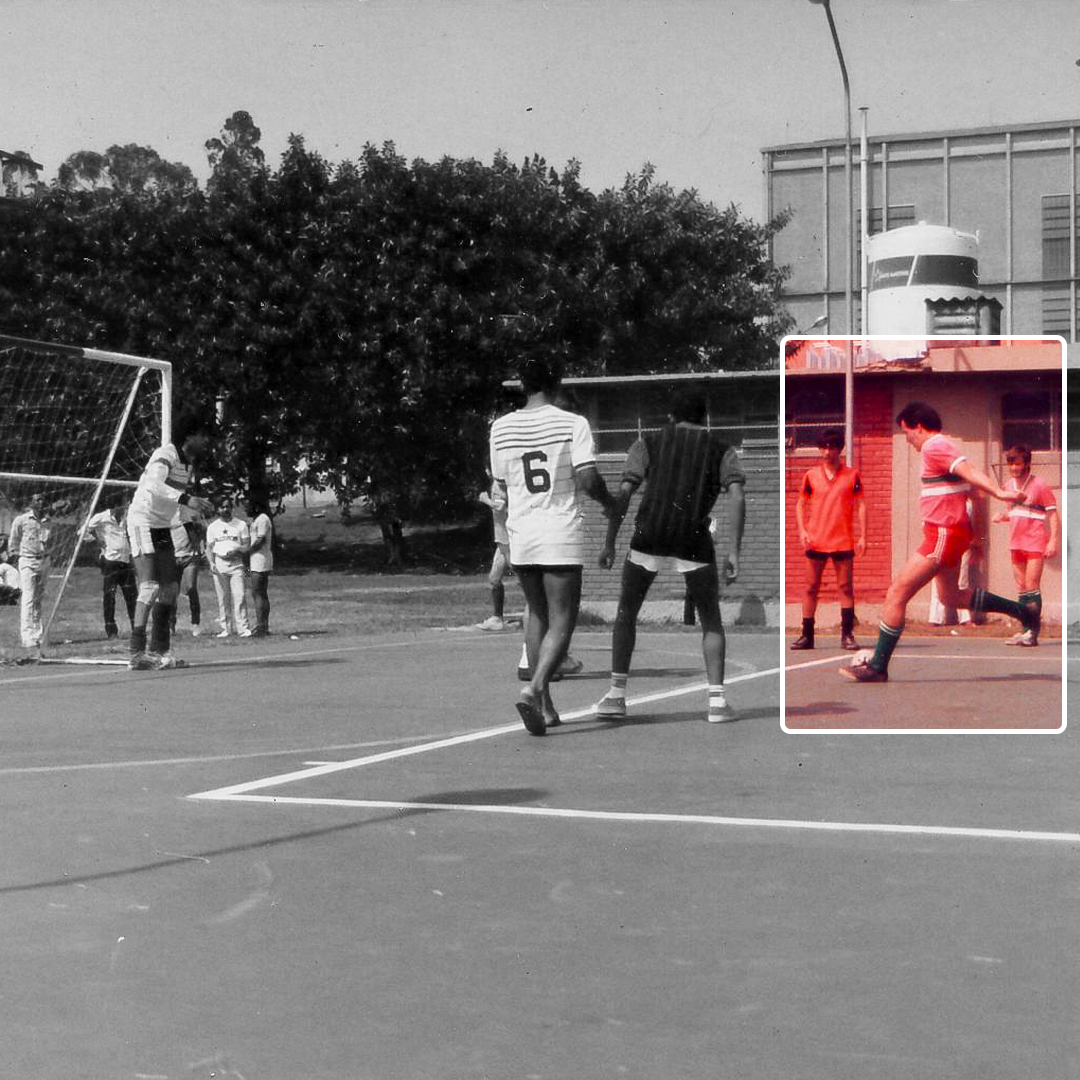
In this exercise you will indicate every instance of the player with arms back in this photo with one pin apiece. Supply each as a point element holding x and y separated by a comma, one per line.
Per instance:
<point>684,467</point>
<point>153,512</point>
<point>540,456</point>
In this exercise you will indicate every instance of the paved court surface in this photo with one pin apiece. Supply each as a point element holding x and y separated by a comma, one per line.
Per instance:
<point>351,862</point>
<point>962,683</point>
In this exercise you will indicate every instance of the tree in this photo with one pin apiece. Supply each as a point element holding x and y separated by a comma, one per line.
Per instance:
<point>236,154</point>
<point>126,169</point>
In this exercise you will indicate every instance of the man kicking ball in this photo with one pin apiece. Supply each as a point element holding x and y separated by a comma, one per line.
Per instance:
<point>947,478</point>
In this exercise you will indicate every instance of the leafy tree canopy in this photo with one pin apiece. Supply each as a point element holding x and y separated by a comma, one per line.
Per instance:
<point>350,325</point>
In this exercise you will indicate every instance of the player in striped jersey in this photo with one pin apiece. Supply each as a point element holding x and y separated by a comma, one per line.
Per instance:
<point>153,512</point>
<point>541,456</point>
<point>947,478</point>
<point>1033,535</point>
<point>684,467</point>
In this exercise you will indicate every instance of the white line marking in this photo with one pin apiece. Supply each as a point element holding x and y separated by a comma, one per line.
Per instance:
<point>698,819</point>
<point>455,740</point>
<point>206,759</point>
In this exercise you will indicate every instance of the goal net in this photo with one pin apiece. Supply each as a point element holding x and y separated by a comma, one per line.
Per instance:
<point>77,426</point>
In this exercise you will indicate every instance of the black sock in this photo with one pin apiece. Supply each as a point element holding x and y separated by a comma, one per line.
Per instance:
<point>808,628</point>
<point>982,600</point>
<point>847,621</point>
<point>137,641</point>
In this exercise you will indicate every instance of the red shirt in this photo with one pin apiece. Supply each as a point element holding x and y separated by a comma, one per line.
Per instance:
<point>831,503</point>
<point>1028,530</point>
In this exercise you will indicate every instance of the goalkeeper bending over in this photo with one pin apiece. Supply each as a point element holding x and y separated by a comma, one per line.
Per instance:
<point>154,510</point>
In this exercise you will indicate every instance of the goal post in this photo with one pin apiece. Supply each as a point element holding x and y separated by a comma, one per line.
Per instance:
<point>78,427</point>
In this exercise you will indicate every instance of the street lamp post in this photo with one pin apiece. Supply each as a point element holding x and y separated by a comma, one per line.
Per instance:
<point>849,367</point>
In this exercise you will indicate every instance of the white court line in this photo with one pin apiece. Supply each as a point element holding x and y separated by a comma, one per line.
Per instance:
<point>697,819</point>
<point>441,744</point>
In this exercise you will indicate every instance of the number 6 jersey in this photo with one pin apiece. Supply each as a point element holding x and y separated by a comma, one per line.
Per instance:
<point>535,452</point>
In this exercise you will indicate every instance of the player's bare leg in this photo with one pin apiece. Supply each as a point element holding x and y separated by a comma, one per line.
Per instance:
<point>918,572</point>
<point>815,568</point>
<point>845,577</point>
<point>636,581</point>
<point>554,597</point>
<point>703,586</point>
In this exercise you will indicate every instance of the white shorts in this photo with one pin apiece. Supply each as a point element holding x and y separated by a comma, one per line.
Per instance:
<point>654,563</point>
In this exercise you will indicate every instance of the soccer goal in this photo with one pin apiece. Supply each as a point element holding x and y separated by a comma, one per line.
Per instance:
<point>77,426</point>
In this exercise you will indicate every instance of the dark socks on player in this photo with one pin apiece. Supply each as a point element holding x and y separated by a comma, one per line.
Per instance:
<point>808,629</point>
<point>982,600</point>
<point>137,642</point>
<point>888,637</point>
<point>847,621</point>
<point>1031,603</point>
<point>160,620</point>
<point>498,599</point>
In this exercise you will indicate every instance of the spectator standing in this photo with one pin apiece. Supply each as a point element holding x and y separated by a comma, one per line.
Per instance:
<point>188,535</point>
<point>1034,530</point>
<point>227,542</point>
<point>28,543</point>
<point>10,590</point>
<point>109,529</point>
<point>260,563</point>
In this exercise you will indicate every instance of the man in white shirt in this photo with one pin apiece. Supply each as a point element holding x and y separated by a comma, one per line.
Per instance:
<point>540,456</point>
<point>227,544</point>
<point>109,529</point>
<point>161,492</point>
<point>260,563</point>
<point>28,543</point>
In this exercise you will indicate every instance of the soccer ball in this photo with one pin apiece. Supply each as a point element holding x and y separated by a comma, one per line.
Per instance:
<point>861,657</point>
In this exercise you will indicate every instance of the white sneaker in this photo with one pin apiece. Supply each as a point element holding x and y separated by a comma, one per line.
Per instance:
<point>1023,639</point>
<point>164,661</point>
<point>196,631</point>
<point>609,705</point>
<point>224,633</point>
<point>244,633</point>
<point>720,712</point>
<point>493,622</point>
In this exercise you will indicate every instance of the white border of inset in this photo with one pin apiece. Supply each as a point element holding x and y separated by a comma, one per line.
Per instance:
<point>1063,514</point>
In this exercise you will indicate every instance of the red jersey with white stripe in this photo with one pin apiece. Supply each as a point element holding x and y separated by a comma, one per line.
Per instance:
<point>1028,528</point>
<point>535,452</point>
<point>943,498</point>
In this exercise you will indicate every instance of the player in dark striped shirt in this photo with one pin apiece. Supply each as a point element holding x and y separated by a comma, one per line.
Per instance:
<point>684,467</point>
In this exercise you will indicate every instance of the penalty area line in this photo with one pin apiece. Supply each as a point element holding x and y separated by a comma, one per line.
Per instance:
<point>442,744</point>
<point>682,819</point>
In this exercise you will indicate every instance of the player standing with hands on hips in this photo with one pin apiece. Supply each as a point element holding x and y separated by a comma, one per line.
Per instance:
<point>540,456</point>
<point>154,509</point>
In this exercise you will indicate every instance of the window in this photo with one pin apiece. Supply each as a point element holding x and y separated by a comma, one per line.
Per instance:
<point>810,409</point>
<point>1031,417</point>
<point>946,270</point>
<point>1056,241</point>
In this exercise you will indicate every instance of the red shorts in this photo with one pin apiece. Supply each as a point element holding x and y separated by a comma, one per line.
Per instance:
<point>1020,558</point>
<point>945,544</point>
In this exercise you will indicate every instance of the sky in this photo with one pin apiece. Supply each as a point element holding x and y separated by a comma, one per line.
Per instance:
<point>695,87</point>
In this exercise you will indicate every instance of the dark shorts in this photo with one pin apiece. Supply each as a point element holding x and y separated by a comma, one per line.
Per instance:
<point>160,566</point>
<point>824,556</point>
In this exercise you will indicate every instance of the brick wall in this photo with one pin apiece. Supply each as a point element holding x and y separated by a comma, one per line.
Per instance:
<point>873,438</point>
<point>753,599</point>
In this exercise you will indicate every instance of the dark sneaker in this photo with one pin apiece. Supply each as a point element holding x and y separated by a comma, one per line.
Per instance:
<point>802,642</point>
<point>863,672</point>
<point>531,716</point>
<point>142,662</point>
<point>847,641</point>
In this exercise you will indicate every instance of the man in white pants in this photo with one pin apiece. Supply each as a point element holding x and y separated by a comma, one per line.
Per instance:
<point>28,543</point>
<point>227,542</point>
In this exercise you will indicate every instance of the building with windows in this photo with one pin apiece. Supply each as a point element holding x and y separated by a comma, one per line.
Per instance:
<point>1013,187</point>
<point>18,175</point>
